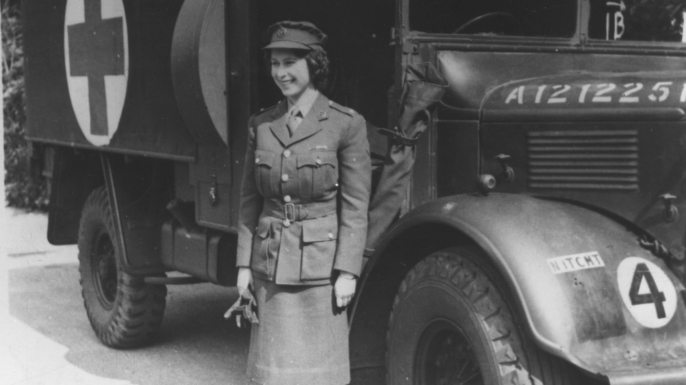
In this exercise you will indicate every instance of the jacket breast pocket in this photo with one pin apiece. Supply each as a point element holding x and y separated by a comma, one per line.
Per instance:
<point>264,170</point>
<point>317,173</point>
<point>265,248</point>
<point>319,247</point>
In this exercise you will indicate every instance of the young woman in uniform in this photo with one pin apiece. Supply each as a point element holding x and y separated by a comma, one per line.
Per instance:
<point>303,217</point>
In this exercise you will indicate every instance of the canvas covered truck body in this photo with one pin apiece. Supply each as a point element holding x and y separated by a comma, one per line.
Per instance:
<point>538,232</point>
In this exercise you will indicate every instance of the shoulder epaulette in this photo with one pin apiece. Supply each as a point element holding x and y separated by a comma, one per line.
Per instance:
<point>340,108</point>
<point>265,113</point>
<point>265,109</point>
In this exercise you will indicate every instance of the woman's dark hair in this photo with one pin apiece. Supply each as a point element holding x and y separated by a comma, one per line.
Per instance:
<point>318,65</point>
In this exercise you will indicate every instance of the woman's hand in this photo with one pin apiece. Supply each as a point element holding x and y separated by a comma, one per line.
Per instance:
<point>244,280</point>
<point>344,288</point>
<point>245,306</point>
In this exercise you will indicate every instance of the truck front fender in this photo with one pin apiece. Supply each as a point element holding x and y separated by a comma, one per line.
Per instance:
<point>588,291</point>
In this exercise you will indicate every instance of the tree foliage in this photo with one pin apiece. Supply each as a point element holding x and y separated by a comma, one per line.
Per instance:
<point>21,188</point>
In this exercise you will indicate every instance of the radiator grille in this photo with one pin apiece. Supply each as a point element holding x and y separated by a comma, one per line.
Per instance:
<point>583,159</point>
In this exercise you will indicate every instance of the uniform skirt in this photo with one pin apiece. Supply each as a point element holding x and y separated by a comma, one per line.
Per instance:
<point>300,339</point>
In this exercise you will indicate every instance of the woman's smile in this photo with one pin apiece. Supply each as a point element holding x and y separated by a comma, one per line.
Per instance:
<point>285,83</point>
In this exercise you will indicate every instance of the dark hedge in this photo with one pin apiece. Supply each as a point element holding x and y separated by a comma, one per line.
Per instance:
<point>21,188</point>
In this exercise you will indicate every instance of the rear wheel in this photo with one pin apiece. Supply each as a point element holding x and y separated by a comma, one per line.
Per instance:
<point>452,323</point>
<point>123,310</point>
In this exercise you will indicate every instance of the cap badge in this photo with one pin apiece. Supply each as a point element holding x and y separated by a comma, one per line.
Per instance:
<point>280,33</point>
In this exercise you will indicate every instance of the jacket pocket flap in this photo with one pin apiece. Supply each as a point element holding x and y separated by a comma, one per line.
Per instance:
<point>320,229</point>
<point>317,158</point>
<point>264,158</point>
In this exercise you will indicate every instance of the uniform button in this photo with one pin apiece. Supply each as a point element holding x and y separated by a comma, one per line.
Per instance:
<point>284,178</point>
<point>286,223</point>
<point>318,161</point>
<point>257,160</point>
<point>287,198</point>
<point>330,235</point>
<point>287,153</point>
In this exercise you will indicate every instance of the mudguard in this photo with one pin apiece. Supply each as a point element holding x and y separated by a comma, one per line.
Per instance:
<point>589,293</point>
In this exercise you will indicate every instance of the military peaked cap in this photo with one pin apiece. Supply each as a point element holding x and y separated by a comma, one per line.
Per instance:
<point>295,35</point>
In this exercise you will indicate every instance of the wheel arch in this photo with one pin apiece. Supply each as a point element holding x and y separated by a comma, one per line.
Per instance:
<point>412,239</point>
<point>572,316</point>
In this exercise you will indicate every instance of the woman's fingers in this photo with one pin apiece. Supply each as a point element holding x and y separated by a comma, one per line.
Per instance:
<point>344,289</point>
<point>343,301</point>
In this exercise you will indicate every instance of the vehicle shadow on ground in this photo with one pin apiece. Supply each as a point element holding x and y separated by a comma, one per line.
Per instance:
<point>195,344</point>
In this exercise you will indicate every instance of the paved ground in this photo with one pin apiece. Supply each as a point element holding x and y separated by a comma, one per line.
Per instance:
<point>46,338</point>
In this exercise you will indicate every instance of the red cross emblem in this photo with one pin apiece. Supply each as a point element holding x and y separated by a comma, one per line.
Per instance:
<point>96,59</point>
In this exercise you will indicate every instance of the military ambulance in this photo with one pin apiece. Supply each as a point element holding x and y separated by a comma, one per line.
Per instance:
<point>528,223</point>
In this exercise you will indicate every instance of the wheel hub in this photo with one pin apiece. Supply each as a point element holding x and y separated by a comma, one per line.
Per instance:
<point>445,357</point>
<point>105,271</point>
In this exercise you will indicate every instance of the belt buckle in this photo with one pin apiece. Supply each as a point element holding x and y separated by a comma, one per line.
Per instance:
<point>289,212</point>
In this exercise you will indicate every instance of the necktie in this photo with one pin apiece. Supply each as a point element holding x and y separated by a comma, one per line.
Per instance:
<point>294,119</point>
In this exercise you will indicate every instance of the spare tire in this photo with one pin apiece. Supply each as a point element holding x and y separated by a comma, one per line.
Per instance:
<point>123,310</point>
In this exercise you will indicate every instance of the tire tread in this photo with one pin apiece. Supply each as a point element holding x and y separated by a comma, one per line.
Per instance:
<point>138,308</point>
<point>520,362</point>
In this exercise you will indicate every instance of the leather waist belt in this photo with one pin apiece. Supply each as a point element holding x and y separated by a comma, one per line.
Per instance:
<point>294,212</point>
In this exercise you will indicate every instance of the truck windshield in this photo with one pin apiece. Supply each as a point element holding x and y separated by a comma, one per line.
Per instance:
<point>638,20</point>
<point>544,18</point>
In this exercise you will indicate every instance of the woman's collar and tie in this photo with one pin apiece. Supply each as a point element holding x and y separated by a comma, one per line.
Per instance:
<point>298,110</point>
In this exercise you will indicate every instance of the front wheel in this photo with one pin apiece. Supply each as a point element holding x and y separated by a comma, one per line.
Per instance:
<point>452,323</point>
<point>123,310</point>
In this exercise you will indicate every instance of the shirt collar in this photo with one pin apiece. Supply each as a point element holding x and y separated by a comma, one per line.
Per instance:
<point>305,102</point>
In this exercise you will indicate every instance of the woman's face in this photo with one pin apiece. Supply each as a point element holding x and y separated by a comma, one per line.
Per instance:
<point>290,72</point>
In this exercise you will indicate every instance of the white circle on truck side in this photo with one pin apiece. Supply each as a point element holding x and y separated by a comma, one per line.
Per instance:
<point>647,292</point>
<point>96,55</point>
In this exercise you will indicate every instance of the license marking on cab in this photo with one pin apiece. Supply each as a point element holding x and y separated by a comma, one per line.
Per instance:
<point>575,262</point>
<point>647,292</point>
<point>599,92</point>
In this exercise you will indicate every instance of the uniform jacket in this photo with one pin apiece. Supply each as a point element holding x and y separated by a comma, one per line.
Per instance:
<point>304,198</point>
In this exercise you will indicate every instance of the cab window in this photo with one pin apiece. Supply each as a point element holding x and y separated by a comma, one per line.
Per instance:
<point>545,18</point>
<point>638,20</point>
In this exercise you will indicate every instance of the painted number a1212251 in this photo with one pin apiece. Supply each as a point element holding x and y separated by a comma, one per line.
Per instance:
<point>633,92</point>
